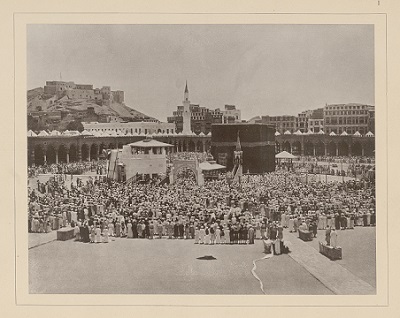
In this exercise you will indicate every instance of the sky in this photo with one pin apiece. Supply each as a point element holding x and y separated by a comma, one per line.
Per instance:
<point>265,69</point>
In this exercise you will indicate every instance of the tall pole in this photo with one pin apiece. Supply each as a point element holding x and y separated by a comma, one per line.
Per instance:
<point>341,169</point>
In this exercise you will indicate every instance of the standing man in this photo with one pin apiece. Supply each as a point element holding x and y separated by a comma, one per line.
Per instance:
<point>328,236</point>
<point>251,235</point>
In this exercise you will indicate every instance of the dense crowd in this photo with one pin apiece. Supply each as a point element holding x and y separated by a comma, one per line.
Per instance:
<point>339,159</point>
<point>353,170</point>
<point>200,156</point>
<point>75,168</point>
<point>215,213</point>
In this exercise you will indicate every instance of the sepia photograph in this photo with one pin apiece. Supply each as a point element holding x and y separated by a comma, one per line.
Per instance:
<point>201,159</point>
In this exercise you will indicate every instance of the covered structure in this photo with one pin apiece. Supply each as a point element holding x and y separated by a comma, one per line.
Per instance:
<point>285,158</point>
<point>210,168</point>
<point>145,158</point>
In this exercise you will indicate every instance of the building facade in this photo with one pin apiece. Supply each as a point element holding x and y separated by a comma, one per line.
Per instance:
<point>134,128</point>
<point>83,91</point>
<point>337,118</point>
<point>302,120</point>
<point>231,115</point>
<point>201,118</point>
<point>281,123</point>
<point>349,118</point>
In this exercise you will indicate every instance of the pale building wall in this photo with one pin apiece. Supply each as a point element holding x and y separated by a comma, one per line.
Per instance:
<point>80,93</point>
<point>137,163</point>
<point>144,128</point>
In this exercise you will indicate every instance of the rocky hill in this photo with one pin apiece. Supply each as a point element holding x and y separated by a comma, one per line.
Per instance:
<point>38,101</point>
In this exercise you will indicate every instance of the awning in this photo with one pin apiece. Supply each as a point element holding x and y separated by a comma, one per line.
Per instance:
<point>285,155</point>
<point>206,166</point>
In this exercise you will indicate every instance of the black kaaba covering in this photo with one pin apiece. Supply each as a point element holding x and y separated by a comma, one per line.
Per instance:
<point>257,143</point>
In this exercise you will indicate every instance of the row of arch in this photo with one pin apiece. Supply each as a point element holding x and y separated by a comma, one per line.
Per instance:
<point>86,150</point>
<point>65,153</point>
<point>341,148</point>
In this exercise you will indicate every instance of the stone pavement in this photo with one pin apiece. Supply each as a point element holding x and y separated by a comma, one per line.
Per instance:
<point>334,276</point>
<point>141,266</point>
<point>37,239</point>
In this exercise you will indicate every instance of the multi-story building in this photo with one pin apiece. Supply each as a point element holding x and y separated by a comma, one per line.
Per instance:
<point>316,121</point>
<point>332,118</point>
<point>201,118</point>
<point>302,120</point>
<point>349,118</point>
<point>371,124</point>
<point>231,115</point>
<point>281,123</point>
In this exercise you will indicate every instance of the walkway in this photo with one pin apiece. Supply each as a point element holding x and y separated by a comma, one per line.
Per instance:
<point>37,239</point>
<point>334,276</point>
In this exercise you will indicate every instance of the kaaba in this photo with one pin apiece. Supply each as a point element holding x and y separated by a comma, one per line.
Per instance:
<point>257,143</point>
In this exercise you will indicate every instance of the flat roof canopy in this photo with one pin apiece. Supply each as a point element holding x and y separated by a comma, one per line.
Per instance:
<point>149,143</point>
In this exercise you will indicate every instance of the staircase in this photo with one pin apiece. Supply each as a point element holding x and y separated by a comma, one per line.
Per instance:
<point>132,179</point>
<point>163,181</point>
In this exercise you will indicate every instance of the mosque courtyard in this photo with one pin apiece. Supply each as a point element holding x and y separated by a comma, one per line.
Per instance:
<point>142,266</point>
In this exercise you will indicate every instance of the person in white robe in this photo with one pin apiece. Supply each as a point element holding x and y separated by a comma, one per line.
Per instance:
<point>92,234</point>
<point>287,218</point>
<point>368,218</point>
<point>277,245</point>
<point>283,219</point>
<point>207,236</point>
<point>105,235</point>
<point>323,221</point>
<point>48,227</point>
<point>111,228</point>
<point>77,233</point>
<point>202,234</point>
<point>196,235</point>
<point>320,222</point>
<point>334,237</point>
<point>258,230</point>
<point>351,221</point>
<point>348,221</point>
<point>130,231</point>
<point>291,225</point>
<point>98,235</point>
<point>218,236</point>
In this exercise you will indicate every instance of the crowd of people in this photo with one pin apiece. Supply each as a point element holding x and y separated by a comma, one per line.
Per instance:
<point>74,168</point>
<point>200,156</point>
<point>215,213</point>
<point>339,159</point>
<point>356,170</point>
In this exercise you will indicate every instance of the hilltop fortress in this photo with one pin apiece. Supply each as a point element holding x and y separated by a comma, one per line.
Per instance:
<point>83,91</point>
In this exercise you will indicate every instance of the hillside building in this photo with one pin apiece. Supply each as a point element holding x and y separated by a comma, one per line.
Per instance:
<point>83,91</point>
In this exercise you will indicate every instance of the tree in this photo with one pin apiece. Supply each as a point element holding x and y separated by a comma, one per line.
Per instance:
<point>75,125</point>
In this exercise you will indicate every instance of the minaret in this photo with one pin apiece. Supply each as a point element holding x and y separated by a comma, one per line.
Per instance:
<point>186,116</point>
